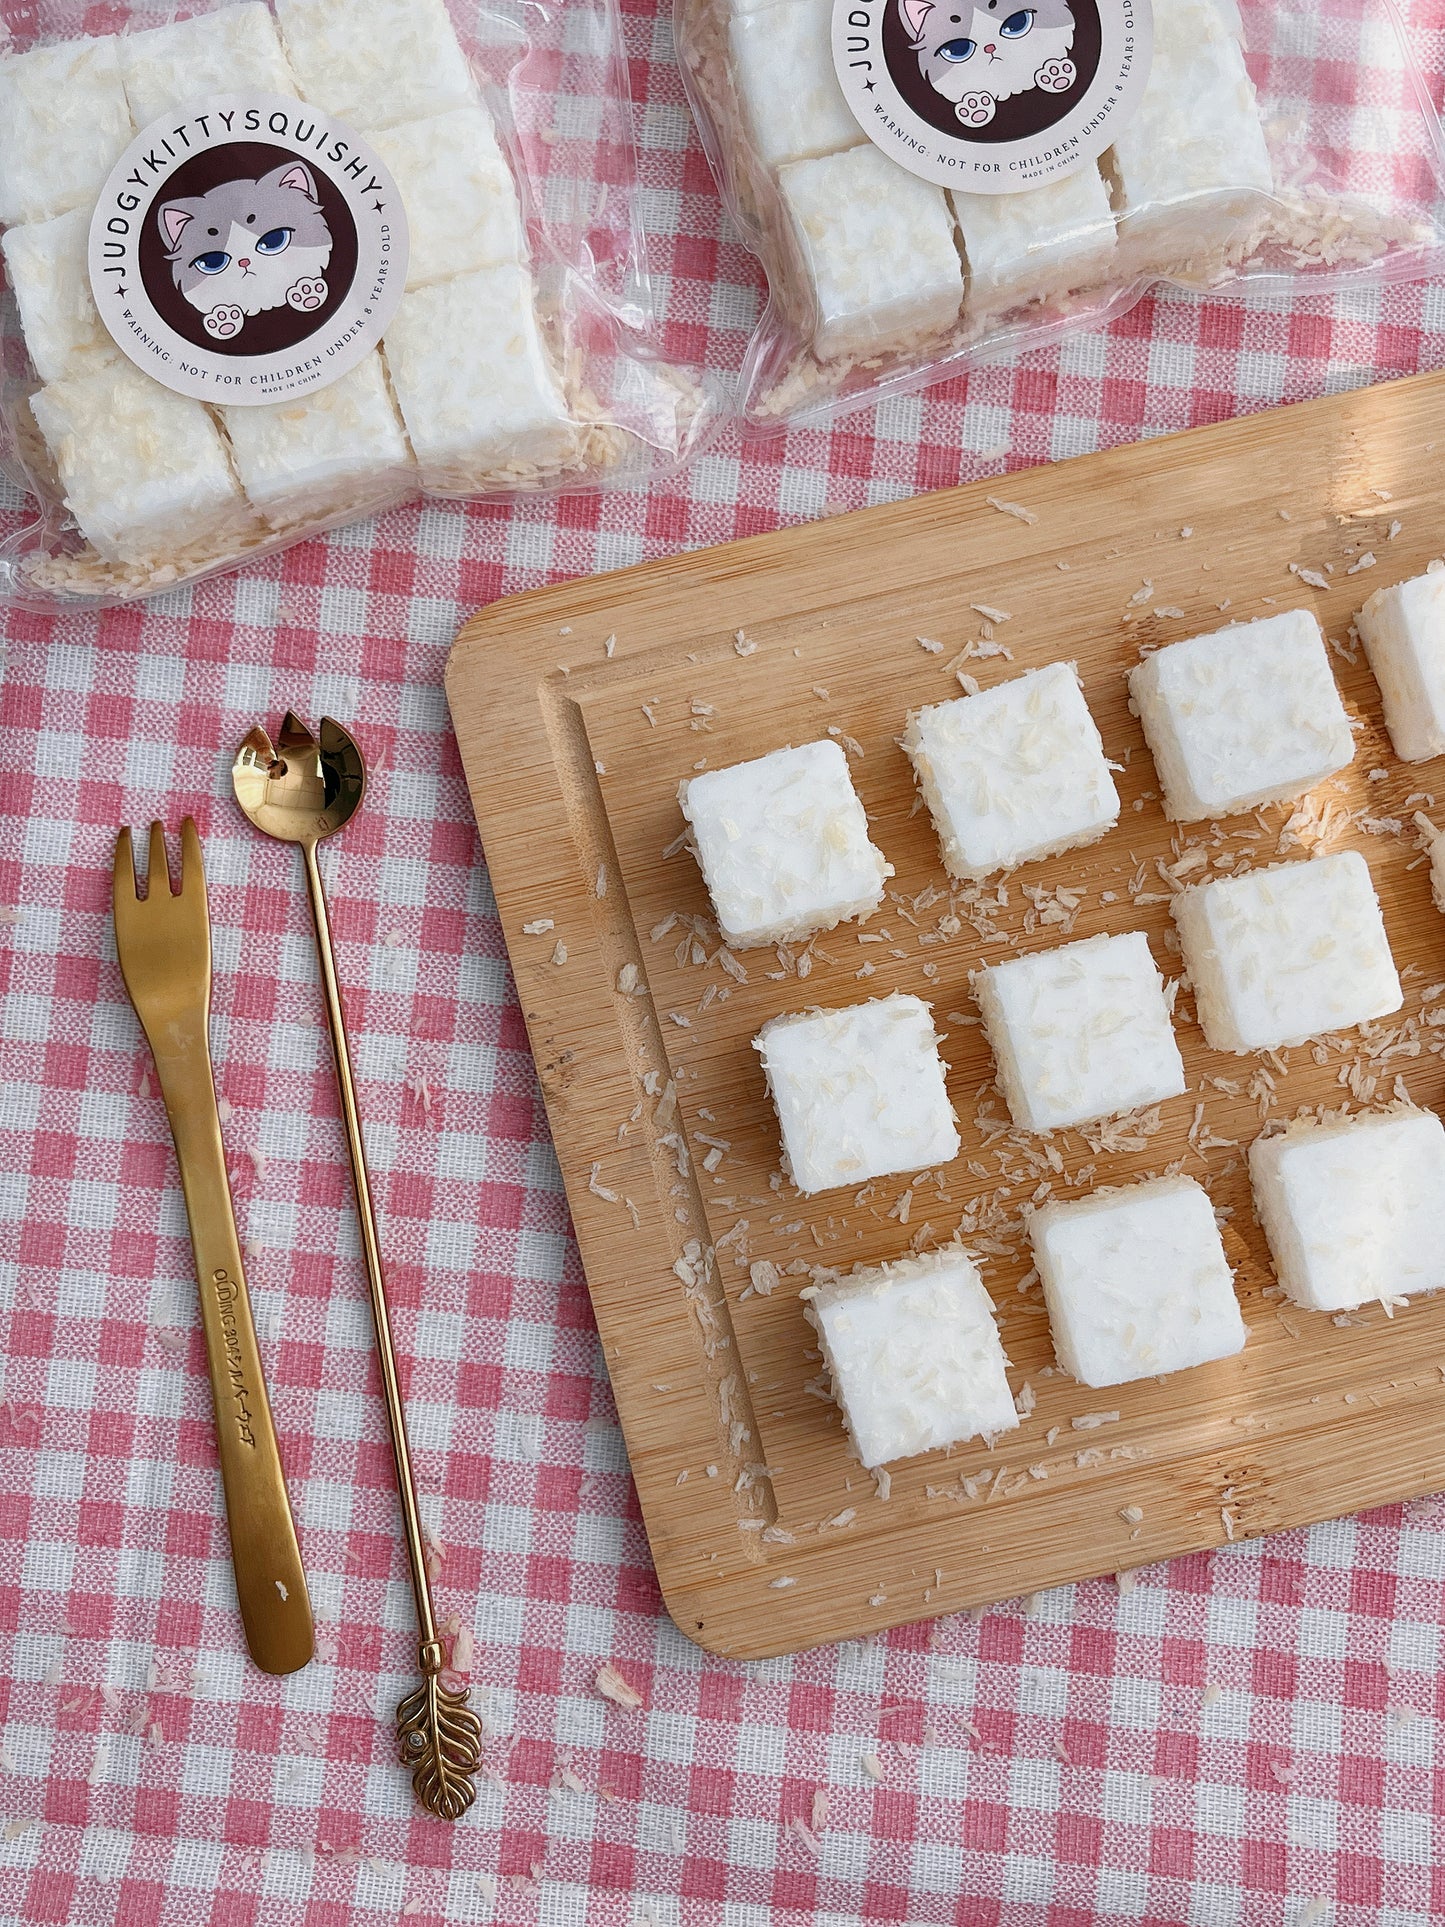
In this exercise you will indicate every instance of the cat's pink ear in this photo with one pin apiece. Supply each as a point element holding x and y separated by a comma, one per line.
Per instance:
<point>298,177</point>
<point>915,14</point>
<point>174,220</point>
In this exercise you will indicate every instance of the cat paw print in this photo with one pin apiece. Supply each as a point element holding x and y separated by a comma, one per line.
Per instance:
<point>1056,76</point>
<point>223,323</point>
<point>976,110</point>
<point>308,293</point>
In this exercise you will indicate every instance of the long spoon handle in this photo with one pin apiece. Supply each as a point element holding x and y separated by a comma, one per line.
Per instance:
<point>439,1735</point>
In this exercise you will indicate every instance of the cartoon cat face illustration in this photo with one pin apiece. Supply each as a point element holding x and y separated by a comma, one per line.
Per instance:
<point>976,53</point>
<point>247,246</point>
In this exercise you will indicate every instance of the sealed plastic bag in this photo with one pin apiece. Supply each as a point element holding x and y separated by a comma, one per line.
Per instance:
<point>928,181</point>
<point>270,268</point>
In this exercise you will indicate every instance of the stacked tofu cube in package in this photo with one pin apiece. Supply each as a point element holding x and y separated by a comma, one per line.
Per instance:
<point>1244,156</point>
<point>522,352</point>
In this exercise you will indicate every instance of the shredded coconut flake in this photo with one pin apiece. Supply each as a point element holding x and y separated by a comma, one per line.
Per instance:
<point>612,1686</point>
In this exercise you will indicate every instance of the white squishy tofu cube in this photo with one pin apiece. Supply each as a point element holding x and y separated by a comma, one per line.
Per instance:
<point>783,70</point>
<point>1244,716</point>
<point>1283,954</point>
<point>478,393</point>
<point>859,1092</point>
<point>1013,773</point>
<point>317,455</point>
<point>235,50</point>
<point>1080,1032</point>
<point>1136,1282</point>
<point>1039,245</point>
<point>376,62</point>
<point>782,842</point>
<point>1354,1209</point>
<point>878,251</point>
<point>1403,630</point>
<point>144,471</point>
<point>1191,168</point>
<point>460,199</point>
<point>47,268</point>
<point>913,1354</point>
<point>64,123</point>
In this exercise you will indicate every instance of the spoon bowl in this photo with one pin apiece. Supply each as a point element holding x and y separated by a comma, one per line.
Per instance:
<point>301,790</point>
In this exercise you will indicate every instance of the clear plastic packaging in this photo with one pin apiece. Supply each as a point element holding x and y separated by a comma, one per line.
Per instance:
<point>1279,145</point>
<point>525,354</point>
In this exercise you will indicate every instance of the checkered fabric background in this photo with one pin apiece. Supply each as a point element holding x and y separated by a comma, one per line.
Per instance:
<point>1249,1737</point>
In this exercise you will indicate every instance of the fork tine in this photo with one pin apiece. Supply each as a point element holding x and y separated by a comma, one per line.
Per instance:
<point>193,869</point>
<point>158,877</point>
<point>124,890</point>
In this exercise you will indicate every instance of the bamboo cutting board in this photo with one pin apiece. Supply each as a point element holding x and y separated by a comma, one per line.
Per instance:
<point>580,708</point>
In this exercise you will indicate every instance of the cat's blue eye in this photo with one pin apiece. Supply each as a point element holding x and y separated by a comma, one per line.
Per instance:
<point>212,263</point>
<point>275,240</point>
<point>1017,24</point>
<point>958,49</point>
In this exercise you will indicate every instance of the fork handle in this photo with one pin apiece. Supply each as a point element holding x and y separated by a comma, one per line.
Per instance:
<point>270,1581</point>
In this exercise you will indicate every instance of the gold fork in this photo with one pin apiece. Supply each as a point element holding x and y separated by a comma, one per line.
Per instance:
<point>164,944</point>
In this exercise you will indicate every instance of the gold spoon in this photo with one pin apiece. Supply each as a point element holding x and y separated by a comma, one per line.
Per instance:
<point>301,792</point>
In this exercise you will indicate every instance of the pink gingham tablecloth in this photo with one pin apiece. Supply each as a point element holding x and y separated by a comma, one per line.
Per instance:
<point>1246,1737</point>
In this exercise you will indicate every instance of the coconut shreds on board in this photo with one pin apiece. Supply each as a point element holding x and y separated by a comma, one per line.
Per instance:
<point>612,1686</point>
<point>1015,509</point>
<point>764,1277</point>
<point>538,927</point>
<point>601,1190</point>
<point>981,651</point>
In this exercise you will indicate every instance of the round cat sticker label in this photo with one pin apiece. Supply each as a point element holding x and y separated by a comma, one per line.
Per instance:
<point>989,96</point>
<point>248,249</point>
